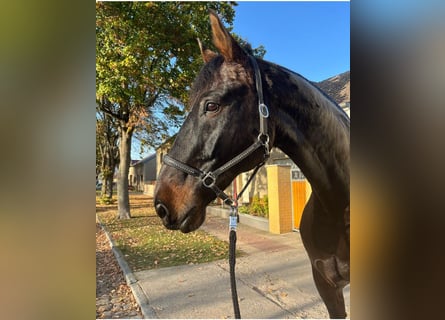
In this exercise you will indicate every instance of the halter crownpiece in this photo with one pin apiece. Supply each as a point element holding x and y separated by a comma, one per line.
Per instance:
<point>262,108</point>
<point>209,178</point>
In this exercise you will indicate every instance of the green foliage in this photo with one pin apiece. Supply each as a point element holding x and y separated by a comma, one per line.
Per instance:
<point>258,207</point>
<point>257,52</point>
<point>106,200</point>
<point>146,58</point>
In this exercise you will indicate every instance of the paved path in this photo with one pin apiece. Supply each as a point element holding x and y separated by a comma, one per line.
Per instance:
<point>274,280</point>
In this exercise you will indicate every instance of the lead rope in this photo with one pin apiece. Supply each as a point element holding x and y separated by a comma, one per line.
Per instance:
<point>232,251</point>
<point>233,220</point>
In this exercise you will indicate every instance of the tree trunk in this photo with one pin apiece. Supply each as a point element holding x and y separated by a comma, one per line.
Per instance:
<point>103,190</point>
<point>114,161</point>
<point>109,182</point>
<point>107,174</point>
<point>123,200</point>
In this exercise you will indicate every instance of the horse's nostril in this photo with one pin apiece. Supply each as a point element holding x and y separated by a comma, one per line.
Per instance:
<point>161,210</point>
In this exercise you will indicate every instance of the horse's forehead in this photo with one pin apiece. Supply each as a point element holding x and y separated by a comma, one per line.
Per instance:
<point>227,76</point>
<point>231,72</point>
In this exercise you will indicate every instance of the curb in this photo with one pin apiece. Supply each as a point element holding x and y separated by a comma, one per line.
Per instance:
<point>142,300</point>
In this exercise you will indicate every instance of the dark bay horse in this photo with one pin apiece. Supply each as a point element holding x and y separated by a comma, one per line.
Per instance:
<point>303,122</point>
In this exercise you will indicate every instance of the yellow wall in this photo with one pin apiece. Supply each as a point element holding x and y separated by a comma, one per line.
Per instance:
<point>301,191</point>
<point>279,193</point>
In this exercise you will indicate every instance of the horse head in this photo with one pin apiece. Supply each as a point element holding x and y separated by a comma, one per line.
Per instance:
<point>222,122</point>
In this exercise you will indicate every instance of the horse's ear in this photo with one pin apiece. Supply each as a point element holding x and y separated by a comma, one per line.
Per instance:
<point>224,42</point>
<point>206,54</point>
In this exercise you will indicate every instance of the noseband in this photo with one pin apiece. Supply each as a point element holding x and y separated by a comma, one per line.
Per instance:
<point>209,178</point>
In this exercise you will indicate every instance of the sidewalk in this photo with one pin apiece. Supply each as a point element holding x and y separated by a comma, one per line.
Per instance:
<point>274,280</point>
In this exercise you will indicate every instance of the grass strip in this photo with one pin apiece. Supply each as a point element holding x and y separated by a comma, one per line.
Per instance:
<point>147,244</point>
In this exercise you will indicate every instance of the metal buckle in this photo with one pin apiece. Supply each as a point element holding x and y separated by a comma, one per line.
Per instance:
<point>233,220</point>
<point>233,217</point>
<point>211,177</point>
<point>264,110</point>
<point>264,141</point>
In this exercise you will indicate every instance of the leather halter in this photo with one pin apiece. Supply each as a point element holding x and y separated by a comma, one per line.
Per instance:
<point>209,178</point>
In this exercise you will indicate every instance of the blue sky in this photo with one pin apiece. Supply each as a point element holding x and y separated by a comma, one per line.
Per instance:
<point>310,38</point>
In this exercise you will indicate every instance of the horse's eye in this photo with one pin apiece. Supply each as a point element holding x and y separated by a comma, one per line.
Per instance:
<point>212,107</point>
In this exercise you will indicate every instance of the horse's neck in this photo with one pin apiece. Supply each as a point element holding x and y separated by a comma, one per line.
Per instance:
<point>314,132</point>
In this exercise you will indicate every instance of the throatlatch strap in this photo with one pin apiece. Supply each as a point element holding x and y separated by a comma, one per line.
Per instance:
<point>238,158</point>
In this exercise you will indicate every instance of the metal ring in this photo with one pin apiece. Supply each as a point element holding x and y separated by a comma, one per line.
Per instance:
<point>211,177</point>
<point>266,136</point>
<point>264,110</point>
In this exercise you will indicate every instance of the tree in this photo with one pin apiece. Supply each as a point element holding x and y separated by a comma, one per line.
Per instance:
<point>257,52</point>
<point>146,58</point>
<point>107,152</point>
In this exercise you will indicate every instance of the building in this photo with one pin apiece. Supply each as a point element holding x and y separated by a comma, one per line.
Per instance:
<point>142,174</point>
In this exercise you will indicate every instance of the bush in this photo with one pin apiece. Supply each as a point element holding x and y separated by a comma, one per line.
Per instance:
<point>106,200</point>
<point>258,207</point>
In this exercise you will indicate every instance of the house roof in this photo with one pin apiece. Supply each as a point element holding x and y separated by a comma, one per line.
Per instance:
<point>133,162</point>
<point>146,159</point>
<point>337,87</point>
